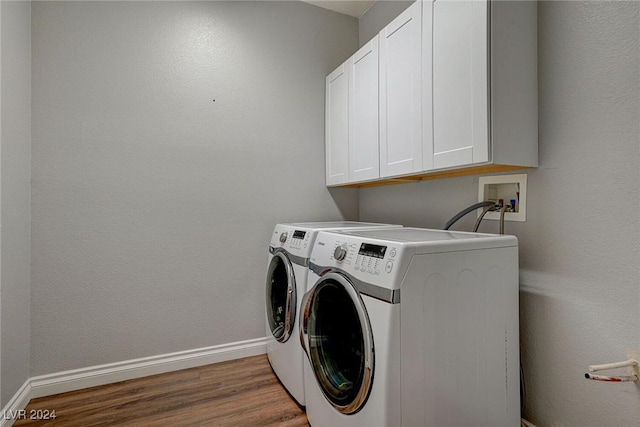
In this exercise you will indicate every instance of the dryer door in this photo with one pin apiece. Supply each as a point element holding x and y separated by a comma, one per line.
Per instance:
<point>337,338</point>
<point>281,297</point>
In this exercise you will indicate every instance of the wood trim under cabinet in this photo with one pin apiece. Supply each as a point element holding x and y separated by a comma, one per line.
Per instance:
<point>450,173</point>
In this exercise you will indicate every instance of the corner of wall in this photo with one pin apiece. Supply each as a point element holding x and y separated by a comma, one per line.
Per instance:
<point>15,197</point>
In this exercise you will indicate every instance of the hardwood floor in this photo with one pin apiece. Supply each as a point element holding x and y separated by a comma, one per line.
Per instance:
<point>243,392</point>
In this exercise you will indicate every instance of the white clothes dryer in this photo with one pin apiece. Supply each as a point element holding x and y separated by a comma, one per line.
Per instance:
<point>287,272</point>
<point>411,327</point>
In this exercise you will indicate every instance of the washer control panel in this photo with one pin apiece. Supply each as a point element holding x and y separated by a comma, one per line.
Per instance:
<point>340,252</point>
<point>364,257</point>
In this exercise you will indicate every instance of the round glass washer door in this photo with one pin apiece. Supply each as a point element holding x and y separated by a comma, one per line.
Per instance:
<point>339,343</point>
<point>281,297</point>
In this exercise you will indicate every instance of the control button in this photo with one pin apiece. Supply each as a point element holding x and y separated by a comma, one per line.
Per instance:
<point>393,252</point>
<point>283,237</point>
<point>340,253</point>
<point>389,266</point>
<point>376,272</point>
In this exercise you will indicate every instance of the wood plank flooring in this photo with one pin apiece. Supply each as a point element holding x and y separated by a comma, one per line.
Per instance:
<point>243,392</point>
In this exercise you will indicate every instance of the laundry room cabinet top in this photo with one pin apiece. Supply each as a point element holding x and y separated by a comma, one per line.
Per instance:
<point>457,95</point>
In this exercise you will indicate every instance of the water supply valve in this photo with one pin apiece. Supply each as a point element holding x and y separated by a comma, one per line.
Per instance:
<point>632,364</point>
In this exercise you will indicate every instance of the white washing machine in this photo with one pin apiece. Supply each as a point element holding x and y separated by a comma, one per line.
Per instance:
<point>287,272</point>
<point>411,327</point>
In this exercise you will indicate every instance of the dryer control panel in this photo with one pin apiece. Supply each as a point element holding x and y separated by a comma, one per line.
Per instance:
<point>293,240</point>
<point>299,239</point>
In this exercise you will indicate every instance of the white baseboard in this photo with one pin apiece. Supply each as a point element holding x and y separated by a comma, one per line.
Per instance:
<point>62,382</point>
<point>18,402</point>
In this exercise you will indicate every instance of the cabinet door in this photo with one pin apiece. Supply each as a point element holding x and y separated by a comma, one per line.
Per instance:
<point>400,94</point>
<point>364,160</point>
<point>460,83</point>
<point>427,85</point>
<point>337,126</point>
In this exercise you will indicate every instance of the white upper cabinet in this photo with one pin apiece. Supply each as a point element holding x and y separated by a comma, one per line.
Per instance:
<point>363,113</point>
<point>351,134</point>
<point>337,126</point>
<point>401,94</point>
<point>457,94</point>
<point>460,83</point>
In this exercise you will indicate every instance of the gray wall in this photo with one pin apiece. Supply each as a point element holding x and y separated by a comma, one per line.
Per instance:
<point>168,140</point>
<point>15,201</point>
<point>579,249</point>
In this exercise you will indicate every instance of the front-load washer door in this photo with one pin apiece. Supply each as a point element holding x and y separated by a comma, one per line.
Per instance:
<point>281,297</point>
<point>337,338</point>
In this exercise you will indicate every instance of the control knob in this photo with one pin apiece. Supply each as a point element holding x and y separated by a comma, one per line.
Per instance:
<point>340,253</point>
<point>283,237</point>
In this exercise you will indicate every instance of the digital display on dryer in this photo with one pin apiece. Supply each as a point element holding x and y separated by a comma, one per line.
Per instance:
<point>375,251</point>
<point>299,234</point>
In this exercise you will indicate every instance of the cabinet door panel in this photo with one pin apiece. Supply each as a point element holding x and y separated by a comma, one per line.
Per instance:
<point>460,83</point>
<point>427,85</point>
<point>337,126</point>
<point>363,113</point>
<point>400,94</point>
